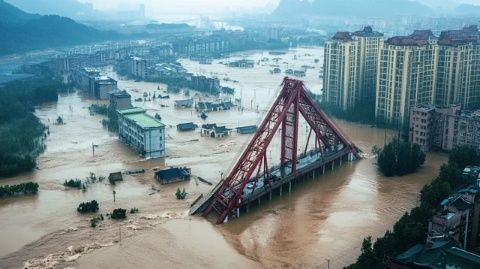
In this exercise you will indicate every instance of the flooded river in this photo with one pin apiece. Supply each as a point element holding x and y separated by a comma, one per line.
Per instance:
<point>325,218</point>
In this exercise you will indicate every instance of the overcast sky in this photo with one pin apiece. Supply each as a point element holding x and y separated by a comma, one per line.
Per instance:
<point>158,8</point>
<point>207,7</point>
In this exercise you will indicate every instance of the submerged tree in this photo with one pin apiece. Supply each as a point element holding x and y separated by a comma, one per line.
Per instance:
<point>398,158</point>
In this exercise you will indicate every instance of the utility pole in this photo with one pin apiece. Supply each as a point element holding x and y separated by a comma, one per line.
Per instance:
<point>114,196</point>
<point>93,150</point>
<point>328,263</point>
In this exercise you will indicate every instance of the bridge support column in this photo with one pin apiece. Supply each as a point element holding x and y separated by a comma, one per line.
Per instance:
<point>290,186</point>
<point>313,174</point>
<point>238,212</point>
<point>281,187</point>
<point>350,157</point>
<point>258,201</point>
<point>341,158</point>
<point>270,195</point>
<point>333,164</point>
<point>323,172</point>
<point>247,207</point>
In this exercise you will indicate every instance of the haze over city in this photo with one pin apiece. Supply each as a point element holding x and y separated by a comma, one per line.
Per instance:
<point>240,134</point>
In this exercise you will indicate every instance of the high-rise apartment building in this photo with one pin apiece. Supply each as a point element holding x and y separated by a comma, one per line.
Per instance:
<point>350,66</point>
<point>369,45</point>
<point>458,80</point>
<point>406,76</point>
<point>340,81</point>
<point>360,69</point>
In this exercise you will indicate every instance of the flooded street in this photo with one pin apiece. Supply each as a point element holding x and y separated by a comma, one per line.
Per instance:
<point>324,218</point>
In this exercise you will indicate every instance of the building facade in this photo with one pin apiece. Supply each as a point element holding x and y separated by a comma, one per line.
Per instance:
<point>120,100</point>
<point>444,127</point>
<point>350,67</point>
<point>102,87</point>
<point>459,68</point>
<point>406,76</point>
<point>142,132</point>
<point>138,67</point>
<point>341,77</point>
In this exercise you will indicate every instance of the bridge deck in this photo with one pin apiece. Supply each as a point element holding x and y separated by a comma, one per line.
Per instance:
<point>279,175</point>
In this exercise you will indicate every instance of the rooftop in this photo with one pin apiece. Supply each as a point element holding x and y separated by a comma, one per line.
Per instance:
<point>459,37</point>
<point>367,31</point>
<point>342,36</point>
<point>120,94</point>
<point>132,110</point>
<point>144,120</point>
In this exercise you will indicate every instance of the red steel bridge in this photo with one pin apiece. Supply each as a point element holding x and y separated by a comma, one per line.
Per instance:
<point>251,177</point>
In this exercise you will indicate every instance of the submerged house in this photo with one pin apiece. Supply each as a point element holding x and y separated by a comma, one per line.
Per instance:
<point>250,129</point>
<point>173,174</point>
<point>188,126</point>
<point>214,131</point>
<point>212,106</point>
<point>186,103</point>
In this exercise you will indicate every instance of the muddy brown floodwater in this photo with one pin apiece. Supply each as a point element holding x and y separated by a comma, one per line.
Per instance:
<point>324,218</point>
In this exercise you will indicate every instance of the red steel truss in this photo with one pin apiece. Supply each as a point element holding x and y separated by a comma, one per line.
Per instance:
<point>292,101</point>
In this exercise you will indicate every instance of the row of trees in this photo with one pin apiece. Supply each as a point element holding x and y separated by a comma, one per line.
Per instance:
<point>399,158</point>
<point>412,227</point>
<point>21,131</point>
<point>19,189</point>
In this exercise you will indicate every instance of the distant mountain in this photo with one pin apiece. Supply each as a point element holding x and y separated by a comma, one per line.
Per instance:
<point>67,8</point>
<point>11,15</point>
<point>21,31</point>
<point>467,9</point>
<point>348,8</point>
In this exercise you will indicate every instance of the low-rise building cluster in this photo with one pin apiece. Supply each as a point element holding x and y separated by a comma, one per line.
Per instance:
<point>444,127</point>
<point>452,232</point>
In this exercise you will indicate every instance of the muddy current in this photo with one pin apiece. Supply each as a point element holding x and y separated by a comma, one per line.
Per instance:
<point>323,218</point>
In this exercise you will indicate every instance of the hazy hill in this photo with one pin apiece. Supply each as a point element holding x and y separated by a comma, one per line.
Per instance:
<point>67,8</point>
<point>360,8</point>
<point>21,31</point>
<point>11,15</point>
<point>467,9</point>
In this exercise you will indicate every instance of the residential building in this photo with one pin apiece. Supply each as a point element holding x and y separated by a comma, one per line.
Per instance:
<point>185,103</point>
<point>458,79</point>
<point>244,63</point>
<point>250,129</point>
<point>444,127</point>
<point>369,44</point>
<point>406,76</point>
<point>84,77</point>
<point>138,67</point>
<point>214,131</point>
<point>213,106</point>
<point>350,68</point>
<point>341,81</point>
<point>173,174</point>
<point>452,232</point>
<point>120,100</point>
<point>142,132</point>
<point>187,126</point>
<point>102,87</point>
